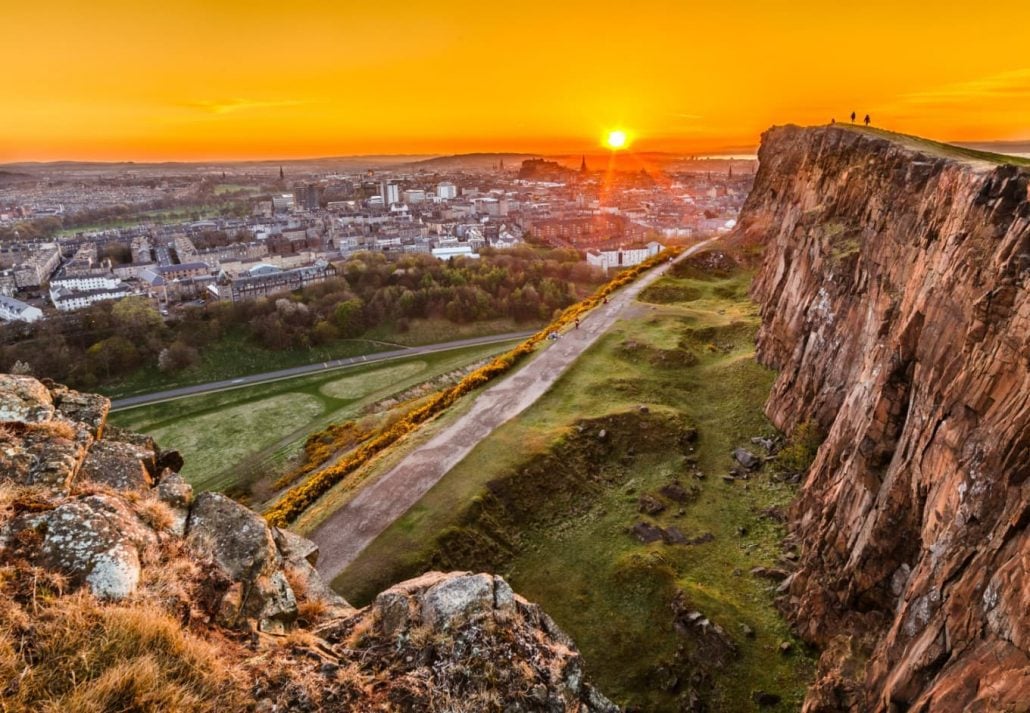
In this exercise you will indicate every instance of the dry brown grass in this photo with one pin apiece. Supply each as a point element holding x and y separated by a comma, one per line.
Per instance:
<point>311,611</point>
<point>155,513</point>
<point>361,631</point>
<point>72,653</point>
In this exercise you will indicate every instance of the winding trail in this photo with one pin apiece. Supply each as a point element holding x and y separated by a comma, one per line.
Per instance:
<point>343,535</point>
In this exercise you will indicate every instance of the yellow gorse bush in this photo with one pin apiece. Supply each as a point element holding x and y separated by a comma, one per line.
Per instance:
<point>298,498</point>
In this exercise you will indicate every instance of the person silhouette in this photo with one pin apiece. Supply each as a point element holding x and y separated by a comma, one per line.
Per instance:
<point>852,117</point>
<point>867,120</point>
<point>832,122</point>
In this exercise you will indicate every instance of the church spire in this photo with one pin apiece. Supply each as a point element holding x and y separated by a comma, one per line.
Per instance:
<point>583,165</point>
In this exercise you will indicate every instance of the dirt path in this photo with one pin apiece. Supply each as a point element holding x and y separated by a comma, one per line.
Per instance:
<point>343,535</point>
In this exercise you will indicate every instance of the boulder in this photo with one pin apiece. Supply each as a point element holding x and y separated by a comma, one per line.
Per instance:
<point>645,532</point>
<point>240,544</point>
<point>746,458</point>
<point>96,541</point>
<point>89,410</point>
<point>650,505</point>
<point>177,494</point>
<point>122,466</point>
<point>24,400</point>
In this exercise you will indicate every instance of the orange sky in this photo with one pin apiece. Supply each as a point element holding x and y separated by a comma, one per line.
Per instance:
<point>152,79</point>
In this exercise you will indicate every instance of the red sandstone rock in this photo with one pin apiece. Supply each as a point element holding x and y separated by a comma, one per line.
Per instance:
<point>895,306</point>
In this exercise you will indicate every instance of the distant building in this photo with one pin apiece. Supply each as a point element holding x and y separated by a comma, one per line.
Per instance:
<point>453,251</point>
<point>183,271</point>
<point>7,283</point>
<point>283,203</point>
<point>267,280</point>
<point>390,193</point>
<point>13,310</point>
<point>71,293</point>
<point>38,267</point>
<point>446,191</point>
<point>622,257</point>
<point>307,196</point>
<point>414,195</point>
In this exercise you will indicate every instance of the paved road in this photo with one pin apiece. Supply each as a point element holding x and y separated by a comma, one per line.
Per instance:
<point>344,534</point>
<point>157,396</point>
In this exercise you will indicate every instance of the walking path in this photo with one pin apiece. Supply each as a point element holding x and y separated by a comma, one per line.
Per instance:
<point>345,533</point>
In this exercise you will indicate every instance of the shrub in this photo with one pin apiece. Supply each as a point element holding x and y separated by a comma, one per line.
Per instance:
<point>800,451</point>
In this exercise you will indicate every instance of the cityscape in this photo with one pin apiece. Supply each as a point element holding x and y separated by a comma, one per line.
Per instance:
<point>209,234</point>
<point>546,357</point>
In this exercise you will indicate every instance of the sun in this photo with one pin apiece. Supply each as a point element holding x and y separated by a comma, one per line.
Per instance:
<point>616,140</point>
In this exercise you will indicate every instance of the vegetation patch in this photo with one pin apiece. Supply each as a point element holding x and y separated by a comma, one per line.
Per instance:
<point>359,385</point>
<point>669,292</point>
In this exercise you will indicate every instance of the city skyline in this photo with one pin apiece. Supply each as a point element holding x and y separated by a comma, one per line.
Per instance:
<point>127,81</point>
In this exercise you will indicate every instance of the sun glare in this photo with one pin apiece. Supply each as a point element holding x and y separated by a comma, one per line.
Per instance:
<point>616,140</point>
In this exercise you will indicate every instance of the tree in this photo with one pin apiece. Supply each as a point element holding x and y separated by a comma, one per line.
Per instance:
<point>349,317</point>
<point>177,357</point>
<point>114,355</point>
<point>136,319</point>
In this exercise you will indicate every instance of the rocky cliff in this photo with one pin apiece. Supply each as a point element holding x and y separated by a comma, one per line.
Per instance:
<point>894,302</point>
<point>122,590</point>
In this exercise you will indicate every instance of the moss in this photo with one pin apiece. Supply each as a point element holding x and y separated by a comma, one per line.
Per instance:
<point>801,449</point>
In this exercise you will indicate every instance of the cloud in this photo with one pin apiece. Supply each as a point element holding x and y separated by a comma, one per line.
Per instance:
<point>1007,87</point>
<point>229,106</point>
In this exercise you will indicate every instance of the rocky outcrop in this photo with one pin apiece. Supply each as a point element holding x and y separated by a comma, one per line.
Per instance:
<point>896,308</point>
<point>88,508</point>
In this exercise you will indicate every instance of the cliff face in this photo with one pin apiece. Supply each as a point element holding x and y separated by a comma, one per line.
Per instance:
<point>895,306</point>
<point>120,590</point>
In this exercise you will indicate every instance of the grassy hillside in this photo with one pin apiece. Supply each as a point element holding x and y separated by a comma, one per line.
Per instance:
<point>937,148</point>
<point>548,500</point>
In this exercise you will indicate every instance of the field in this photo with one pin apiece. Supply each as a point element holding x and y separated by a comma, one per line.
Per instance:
<point>234,355</point>
<point>548,500</point>
<point>230,439</point>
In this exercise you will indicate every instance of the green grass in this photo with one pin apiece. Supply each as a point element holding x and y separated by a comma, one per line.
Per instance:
<point>236,355</point>
<point>230,439</point>
<point>537,502</point>
<point>158,216</point>
<point>937,148</point>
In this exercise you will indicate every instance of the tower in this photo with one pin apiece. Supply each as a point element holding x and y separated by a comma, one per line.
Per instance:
<point>583,165</point>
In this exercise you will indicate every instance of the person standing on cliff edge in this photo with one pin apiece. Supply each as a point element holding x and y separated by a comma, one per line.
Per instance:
<point>853,117</point>
<point>867,120</point>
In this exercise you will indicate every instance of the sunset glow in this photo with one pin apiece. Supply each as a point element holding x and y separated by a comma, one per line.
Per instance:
<point>616,140</point>
<point>193,79</point>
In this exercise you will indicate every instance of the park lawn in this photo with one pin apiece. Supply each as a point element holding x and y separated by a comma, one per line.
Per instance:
<point>235,355</point>
<point>231,438</point>
<point>607,590</point>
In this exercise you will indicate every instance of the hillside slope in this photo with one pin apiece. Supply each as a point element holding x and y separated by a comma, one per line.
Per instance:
<point>895,306</point>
